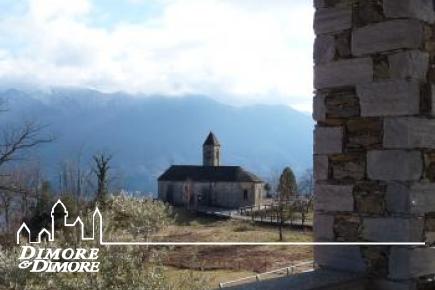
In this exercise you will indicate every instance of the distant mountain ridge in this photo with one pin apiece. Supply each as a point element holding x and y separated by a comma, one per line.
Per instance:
<point>147,134</point>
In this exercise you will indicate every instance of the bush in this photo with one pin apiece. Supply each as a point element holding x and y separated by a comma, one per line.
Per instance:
<point>244,227</point>
<point>121,267</point>
<point>139,217</point>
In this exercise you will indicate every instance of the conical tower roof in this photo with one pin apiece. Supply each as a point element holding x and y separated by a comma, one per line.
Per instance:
<point>211,140</point>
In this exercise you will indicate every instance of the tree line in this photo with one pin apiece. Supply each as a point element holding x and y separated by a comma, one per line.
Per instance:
<point>24,192</point>
<point>291,197</point>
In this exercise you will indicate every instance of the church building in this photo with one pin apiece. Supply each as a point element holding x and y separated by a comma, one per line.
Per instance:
<point>211,184</point>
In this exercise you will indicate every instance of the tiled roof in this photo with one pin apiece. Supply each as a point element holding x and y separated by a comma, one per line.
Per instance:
<point>208,174</point>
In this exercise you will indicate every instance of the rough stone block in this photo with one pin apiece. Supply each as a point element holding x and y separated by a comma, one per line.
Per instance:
<point>407,263</point>
<point>324,49</point>
<point>408,133</point>
<point>342,104</point>
<point>321,167</point>
<point>333,198</point>
<point>418,9</point>
<point>409,65</point>
<point>429,163</point>
<point>390,285</point>
<point>381,68</point>
<point>346,228</point>
<point>341,73</point>
<point>430,166</point>
<point>328,140</point>
<point>368,11</point>
<point>430,229</point>
<point>370,198</point>
<point>422,198</point>
<point>393,229</point>
<point>346,258</point>
<point>328,20</point>
<point>389,35</point>
<point>342,44</point>
<point>397,198</point>
<point>432,101</point>
<point>430,237</point>
<point>394,165</point>
<point>323,227</point>
<point>364,133</point>
<point>319,4</point>
<point>417,199</point>
<point>348,167</point>
<point>319,108</point>
<point>430,223</point>
<point>389,98</point>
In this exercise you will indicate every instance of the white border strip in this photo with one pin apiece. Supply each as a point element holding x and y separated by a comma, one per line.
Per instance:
<point>97,217</point>
<point>259,244</point>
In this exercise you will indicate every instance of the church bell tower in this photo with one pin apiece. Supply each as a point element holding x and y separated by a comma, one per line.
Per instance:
<point>211,151</point>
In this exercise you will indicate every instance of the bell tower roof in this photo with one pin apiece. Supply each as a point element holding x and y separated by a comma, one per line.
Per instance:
<point>211,140</point>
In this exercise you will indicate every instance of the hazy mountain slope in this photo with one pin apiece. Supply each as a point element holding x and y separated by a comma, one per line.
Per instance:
<point>148,134</point>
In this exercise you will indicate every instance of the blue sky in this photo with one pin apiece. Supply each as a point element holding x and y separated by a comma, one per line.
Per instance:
<point>236,51</point>
<point>109,13</point>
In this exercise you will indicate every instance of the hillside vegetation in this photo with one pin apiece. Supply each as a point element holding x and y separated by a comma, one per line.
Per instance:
<point>142,267</point>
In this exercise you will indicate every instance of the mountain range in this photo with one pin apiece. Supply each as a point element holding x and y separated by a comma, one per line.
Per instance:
<point>146,134</point>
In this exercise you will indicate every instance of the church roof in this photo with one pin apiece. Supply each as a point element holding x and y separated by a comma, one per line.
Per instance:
<point>211,140</point>
<point>208,174</point>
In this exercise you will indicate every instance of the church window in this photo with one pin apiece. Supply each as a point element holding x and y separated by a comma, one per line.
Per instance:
<point>245,195</point>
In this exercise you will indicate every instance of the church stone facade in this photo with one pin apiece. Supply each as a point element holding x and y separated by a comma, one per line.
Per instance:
<point>211,184</point>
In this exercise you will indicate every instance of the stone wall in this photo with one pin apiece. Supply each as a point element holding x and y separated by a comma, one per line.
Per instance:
<point>374,151</point>
<point>217,194</point>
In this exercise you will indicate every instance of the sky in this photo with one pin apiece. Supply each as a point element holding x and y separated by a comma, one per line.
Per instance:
<point>235,51</point>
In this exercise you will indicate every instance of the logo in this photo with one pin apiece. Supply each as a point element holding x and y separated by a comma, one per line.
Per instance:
<point>45,259</point>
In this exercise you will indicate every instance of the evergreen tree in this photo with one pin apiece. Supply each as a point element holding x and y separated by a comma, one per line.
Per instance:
<point>287,187</point>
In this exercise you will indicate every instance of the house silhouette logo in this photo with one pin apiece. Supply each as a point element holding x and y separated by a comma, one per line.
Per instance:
<point>49,234</point>
<point>41,258</point>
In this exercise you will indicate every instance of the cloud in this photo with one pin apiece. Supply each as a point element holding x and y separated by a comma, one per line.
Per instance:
<point>241,51</point>
<point>44,10</point>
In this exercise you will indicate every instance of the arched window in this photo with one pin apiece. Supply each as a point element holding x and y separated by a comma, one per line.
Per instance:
<point>245,194</point>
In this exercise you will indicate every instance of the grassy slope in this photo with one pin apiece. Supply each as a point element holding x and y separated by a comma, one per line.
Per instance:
<point>223,263</point>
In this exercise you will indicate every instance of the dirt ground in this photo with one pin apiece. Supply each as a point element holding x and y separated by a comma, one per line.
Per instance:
<point>258,259</point>
<point>248,258</point>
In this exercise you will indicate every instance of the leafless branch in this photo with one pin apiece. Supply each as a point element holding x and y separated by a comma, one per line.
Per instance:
<point>19,140</point>
<point>101,170</point>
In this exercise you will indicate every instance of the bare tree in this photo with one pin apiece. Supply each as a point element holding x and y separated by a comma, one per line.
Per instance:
<point>304,205</point>
<point>101,170</point>
<point>15,142</point>
<point>306,183</point>
<point>29,180</point>
<point>6,199</point>
<point>21,183</point>
<point>70,178</point>
<point>25,181</point>
<point>273,181</point>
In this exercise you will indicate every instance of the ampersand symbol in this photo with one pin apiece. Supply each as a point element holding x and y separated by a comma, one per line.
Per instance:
<point>24,264</point>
